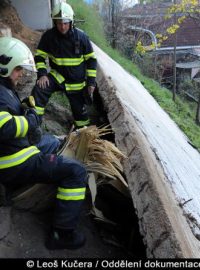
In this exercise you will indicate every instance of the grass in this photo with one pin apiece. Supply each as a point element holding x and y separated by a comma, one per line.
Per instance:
<point>60,98</point>
<point>180,111</point>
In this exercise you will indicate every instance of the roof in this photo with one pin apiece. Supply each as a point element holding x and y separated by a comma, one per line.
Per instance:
<point>186,65</point>
<point>152,17</point>
<point>187,35</point>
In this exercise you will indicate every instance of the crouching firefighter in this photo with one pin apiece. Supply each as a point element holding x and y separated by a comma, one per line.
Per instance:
<point>72,65</point>
<point>23,161</point>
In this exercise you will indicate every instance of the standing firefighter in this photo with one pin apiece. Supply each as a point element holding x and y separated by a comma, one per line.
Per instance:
<point>72,65</point>
<point>23,162</point>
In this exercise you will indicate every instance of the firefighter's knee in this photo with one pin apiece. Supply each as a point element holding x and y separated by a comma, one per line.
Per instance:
<point>73,171</point>
<point>79,173</point>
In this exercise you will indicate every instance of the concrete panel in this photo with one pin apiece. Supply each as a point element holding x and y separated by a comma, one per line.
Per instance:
<point>162,169</point>
<point>34,14</point>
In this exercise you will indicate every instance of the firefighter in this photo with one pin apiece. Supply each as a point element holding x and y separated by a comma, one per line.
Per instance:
<point>72,65</point>
<point>22,162</point>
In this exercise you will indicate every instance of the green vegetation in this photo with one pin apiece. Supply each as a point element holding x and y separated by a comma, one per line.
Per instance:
<point>180,111</point>
<point>60,98</point>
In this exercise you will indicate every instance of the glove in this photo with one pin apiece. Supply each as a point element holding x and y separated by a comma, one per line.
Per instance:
<point>34,129</point>
<point>33,119</point>
<point>88,96</point>
<point>28,102</point>
<point>34,135</point>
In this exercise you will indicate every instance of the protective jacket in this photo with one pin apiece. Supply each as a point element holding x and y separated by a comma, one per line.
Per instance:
<point>21,163</point>
<point>14,125</point>
<point>71,58</point>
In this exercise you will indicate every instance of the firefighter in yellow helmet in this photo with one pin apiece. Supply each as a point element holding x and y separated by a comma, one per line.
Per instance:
<point>72,65</point>
<point>22,161</point>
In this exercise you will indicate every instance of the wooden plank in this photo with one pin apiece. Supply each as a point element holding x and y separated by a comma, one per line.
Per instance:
<point>163,170</point>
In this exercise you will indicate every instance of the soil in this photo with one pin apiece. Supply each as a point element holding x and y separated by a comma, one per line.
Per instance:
<point>10,18</point>
<point>23,231</point>
<point>23,235</point>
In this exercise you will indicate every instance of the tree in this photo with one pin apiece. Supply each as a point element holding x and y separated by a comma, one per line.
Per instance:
<point>111,10</point>
<point>180,10</point>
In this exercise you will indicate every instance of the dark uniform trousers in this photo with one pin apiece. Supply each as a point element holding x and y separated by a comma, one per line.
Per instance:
<point>76,100</point>
<point>67,174</point>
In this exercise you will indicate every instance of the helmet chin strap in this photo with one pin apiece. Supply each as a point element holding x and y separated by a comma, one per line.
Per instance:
<point>3,71</point>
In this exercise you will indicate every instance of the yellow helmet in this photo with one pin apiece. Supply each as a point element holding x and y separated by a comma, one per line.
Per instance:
<point>13,53</point>
<point>64,12</point>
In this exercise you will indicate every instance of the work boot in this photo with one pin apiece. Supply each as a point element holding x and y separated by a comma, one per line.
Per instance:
<point>65,240</point>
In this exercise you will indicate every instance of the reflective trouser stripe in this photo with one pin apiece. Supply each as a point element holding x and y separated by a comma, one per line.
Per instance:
<point>59,78</point>
<point>68,86</point>
<point>18,158</point>
<point>39,110</point>
<point>89,55</point>
<point>91,73</point>
<point>71,194</point>
<point>82,123</point>
<point>4,118</point>
<point>22,126</point>
<point>74,87</point>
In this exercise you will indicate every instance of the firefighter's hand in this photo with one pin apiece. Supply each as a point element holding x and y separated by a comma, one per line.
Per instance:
<point>28,102</point>
<point>34,129</point>
<point>88,95</point>
<point>91,90</point>
<point>35,135</point>
<point>33,119</point>
<point>43,82</point>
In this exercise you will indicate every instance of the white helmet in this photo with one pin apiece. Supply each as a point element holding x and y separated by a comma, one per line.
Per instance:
<point>13,53</point>
<point>64,12</point>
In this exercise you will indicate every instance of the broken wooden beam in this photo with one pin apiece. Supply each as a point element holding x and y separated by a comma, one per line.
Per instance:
<point>162,169</point>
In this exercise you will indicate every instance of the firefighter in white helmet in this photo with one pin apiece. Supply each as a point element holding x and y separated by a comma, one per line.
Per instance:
<point>23,162</point>
<point>14,53</point>
<point>72,65</point>
<point>64,12</point>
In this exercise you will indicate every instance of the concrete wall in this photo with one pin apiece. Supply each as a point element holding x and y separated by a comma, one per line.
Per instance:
<point>162,169</point>
<point>36,14</point>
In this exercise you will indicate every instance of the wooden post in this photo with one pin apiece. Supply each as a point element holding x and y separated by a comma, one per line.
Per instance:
<point>175,44</point>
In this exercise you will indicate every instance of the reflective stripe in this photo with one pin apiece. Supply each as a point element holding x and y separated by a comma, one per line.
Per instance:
<point>18,158</point>
<point>75,86</point>
<point>91,72</point>
<point>41,53</point>
<point>67,61</point>
<point>22,126</point>
<point>41,65</point>
<point>89,55</point>
<point>82,123</point>
<point>39,110</point>
<point>4,117</point>
<point>68,87</point>
<point>57,76</point>
<point>69,194</point>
